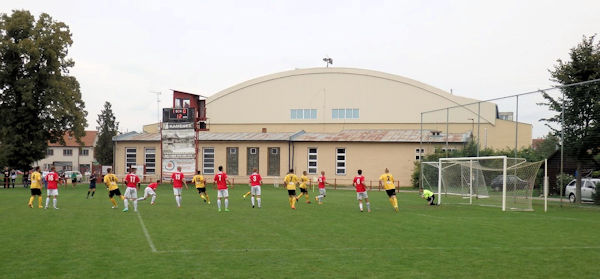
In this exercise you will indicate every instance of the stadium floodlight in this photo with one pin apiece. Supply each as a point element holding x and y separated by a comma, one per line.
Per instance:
<point>328,61</point>
<point>486,181</point>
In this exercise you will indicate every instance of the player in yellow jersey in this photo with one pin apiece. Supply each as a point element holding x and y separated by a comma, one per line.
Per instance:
<point>200,183</point>
<point>290,181</point>
<point>303,187</point>
<point>387,181</point>
<point>113,188</point>
<point>36,187</point>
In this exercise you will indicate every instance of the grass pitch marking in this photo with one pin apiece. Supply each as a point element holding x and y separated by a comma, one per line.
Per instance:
<point>148,238</point>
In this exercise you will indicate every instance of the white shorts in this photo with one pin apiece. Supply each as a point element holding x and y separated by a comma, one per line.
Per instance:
<point>149,192</point>
<point>130,193</point>
<point>222,193</point>
<point>322,192</point>
<point>177,191</point>
<point>52,192</point>
<point>255,190</point>
<point>362,195</point>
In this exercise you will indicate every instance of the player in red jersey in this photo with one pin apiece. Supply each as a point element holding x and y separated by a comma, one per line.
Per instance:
<point>53,180</point>
<point>322,192</point>
<point>255,182</point>
<point>222,181</point>
<point>132,181</point>
<point>361,191</point>
<point>178,180</point>
<point>150,191</point>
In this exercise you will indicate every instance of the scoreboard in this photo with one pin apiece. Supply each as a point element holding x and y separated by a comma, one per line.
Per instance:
<point>178,115</point>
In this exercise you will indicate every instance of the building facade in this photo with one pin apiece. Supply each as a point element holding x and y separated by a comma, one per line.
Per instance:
<point>336,120</point>
<point>72,155</point>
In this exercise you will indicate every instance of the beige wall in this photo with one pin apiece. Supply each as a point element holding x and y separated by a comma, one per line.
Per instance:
<point>242,177</point>
<point>499,136</point>
<point>119,162</point>
<point>372,158</point>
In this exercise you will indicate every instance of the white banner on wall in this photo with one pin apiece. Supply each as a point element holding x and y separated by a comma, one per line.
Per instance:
<point>188,167</point>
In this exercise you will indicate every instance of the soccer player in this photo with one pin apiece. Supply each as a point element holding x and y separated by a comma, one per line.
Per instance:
<point>36,187</point>
<point>387,181</point>
<point>200,183</point>
<point>6,174</point>
<point>150,191</point>
<point>53,181</point>
<point>361,191</point>
<point>322,192</point>
<point>178,180</point>
<point>429,196</point>
<point>222,181</point>
<point>110,180</point>
<point>290,181</point>
<point>255,182</point>
<point>131,180</point>
<point>92,185</point>
<point>304,187</point>
<point>73,179</point>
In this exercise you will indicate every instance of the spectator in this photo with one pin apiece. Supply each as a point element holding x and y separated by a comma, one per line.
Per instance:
<point>74,179</point>
<point>25,178</point>
<point>6,174</point>
<point>13,177</point>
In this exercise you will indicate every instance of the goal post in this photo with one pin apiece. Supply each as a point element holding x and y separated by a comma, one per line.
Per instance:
<point>488,181</point>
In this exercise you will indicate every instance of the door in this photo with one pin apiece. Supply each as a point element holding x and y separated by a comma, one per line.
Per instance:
<point>232,160</point>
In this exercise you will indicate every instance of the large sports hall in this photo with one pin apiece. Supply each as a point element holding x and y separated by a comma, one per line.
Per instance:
<point>336,120</point>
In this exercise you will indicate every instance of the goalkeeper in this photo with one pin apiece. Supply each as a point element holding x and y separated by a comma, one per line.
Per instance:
<point>429,196</point>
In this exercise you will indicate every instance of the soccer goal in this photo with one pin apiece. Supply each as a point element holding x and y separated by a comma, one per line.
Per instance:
<point>487,181</point>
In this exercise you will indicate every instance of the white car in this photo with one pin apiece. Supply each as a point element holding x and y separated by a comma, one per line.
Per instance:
<point>68,175</point>
<point>588,189</point>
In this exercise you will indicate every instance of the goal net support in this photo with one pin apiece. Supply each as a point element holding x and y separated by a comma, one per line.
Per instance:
<point>488,181</point>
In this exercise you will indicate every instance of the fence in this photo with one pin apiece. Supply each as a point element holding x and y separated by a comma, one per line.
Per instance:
<point>509,126</point>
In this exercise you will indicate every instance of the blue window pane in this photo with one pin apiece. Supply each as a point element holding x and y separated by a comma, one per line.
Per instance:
<point>293,114</point>
<point>334,114</point>
<point>299,114</point>
<point>356,115</point>
<point>307,114</point>
<point>313,114</point>
<point>342,113</point>
<point>349,114</point>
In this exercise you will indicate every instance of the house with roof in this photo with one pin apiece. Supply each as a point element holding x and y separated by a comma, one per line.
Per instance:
<point>72,155</point>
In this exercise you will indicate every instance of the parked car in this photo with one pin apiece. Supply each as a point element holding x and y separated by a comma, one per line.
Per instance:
<point>510,180</point>
<point>588,189</point>
<point>68,175</point>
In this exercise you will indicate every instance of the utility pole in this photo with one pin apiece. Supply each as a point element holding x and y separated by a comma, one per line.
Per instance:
<point>158,93</point>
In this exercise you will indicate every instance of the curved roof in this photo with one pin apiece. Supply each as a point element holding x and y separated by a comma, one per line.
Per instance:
<point>379,97</point>
<point>334,70</point>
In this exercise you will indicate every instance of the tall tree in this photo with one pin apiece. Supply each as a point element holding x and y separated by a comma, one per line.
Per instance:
<point>581,103</point>
<point>39,100</point>
<point>107,129</point>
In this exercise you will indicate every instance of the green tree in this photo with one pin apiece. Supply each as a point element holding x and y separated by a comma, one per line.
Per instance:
<point>107,129</point>
<point>39,100</point>
<point>581,103</point>
<point>548,146</point>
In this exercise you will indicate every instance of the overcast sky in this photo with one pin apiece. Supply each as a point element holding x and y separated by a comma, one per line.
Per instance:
<point>124,50</point>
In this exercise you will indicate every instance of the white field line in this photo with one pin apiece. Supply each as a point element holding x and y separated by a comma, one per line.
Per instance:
<point>152,247</point>
<point>532,216</point>
<point>541,248</point>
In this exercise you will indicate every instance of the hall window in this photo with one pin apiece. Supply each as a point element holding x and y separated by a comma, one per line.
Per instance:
<point>303,114</point>
<point>345,113</point>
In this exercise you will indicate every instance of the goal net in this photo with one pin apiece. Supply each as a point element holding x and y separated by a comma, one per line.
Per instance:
<point>488,181</point>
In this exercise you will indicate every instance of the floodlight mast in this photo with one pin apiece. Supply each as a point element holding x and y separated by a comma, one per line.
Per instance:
<point>327,61</point>
<point>158,93</point>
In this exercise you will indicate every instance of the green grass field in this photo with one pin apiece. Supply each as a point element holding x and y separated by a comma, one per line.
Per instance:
<point>88,239</point>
